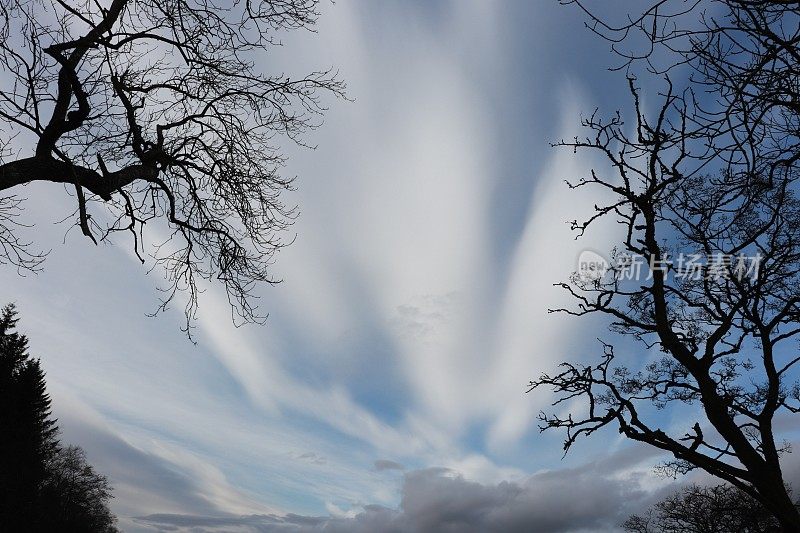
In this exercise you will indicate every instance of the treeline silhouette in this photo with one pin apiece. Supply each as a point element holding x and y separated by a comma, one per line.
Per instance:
<point>715,509</point>
<point>44,485</point>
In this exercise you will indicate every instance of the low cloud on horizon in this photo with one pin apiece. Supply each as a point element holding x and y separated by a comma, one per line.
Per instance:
<point>591,498</point>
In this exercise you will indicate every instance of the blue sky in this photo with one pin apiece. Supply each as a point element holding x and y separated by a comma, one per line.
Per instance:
<point>412,312</point>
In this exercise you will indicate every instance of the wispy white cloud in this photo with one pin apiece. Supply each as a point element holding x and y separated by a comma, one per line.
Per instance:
<point>397,340</point>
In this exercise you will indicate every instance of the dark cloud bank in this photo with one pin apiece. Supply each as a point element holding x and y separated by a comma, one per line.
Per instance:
<point>595,497</point>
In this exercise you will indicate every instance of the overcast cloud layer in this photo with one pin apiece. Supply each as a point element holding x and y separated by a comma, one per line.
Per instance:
<point>387,390</point>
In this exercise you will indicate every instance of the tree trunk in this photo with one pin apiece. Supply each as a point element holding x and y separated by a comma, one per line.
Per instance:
<point>777,500</point>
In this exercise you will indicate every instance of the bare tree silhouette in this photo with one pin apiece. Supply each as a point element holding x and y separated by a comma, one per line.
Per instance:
<point>741,56</point>
<point>156,109</point>
<point>718,509</point>
<point>711,173</point>
<point>75,496</point>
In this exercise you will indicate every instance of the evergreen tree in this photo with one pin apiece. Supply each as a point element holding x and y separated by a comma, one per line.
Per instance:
<point>44,487</point>
<point>28,433</point>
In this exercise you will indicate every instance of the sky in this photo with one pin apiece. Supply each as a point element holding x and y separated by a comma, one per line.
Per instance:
<point>387,389</point>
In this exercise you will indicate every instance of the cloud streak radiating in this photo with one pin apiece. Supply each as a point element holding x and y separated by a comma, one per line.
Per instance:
<point>386,392</point>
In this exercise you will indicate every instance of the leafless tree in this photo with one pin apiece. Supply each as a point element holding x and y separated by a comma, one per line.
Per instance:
<point>75,497</point>
<point>743,56</point>
<point>157,110</point>
<point>696,509</point>
<point>710,173</point>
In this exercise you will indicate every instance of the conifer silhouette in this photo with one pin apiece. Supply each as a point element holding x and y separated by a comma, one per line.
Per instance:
<point>44,487</point>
